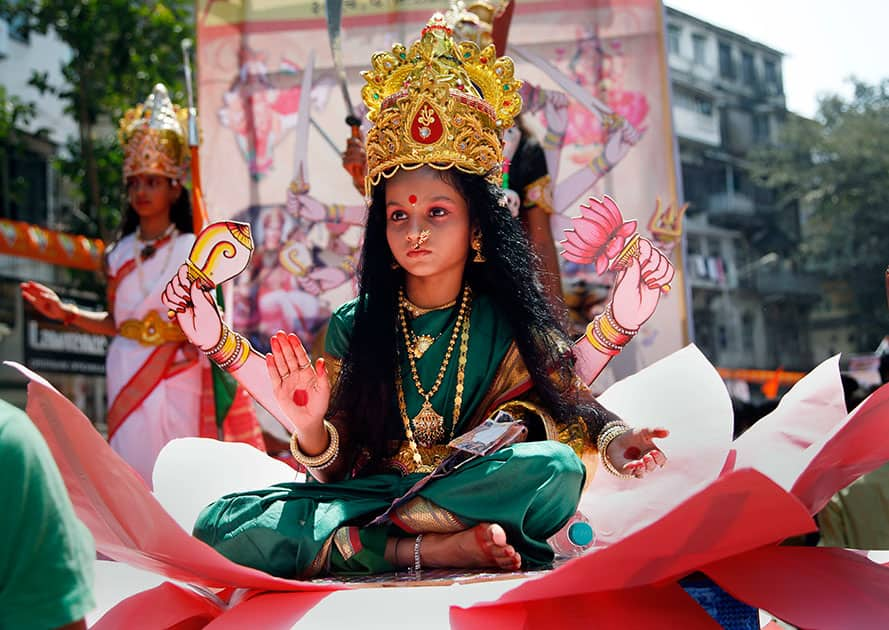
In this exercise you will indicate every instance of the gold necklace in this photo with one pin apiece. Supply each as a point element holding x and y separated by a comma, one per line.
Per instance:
<point>428,424</point>
<point>416,311</point>
<point>458,402</point>
<point>419,344</point>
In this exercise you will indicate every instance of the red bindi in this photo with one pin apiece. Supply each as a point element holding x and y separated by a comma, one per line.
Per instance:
<point>300,397</point>
<point>412,199</point>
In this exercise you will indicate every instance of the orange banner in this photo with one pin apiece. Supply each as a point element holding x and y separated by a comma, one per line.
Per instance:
<point>56,248</point>
<point>760,376</point>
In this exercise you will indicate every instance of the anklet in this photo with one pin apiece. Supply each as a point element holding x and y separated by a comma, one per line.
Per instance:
<point>417,556</point>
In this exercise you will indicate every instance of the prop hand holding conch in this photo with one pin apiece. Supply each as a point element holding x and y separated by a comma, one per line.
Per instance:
<point>222,251</point>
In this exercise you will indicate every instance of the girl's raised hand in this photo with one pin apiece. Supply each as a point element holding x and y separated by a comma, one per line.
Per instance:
<point>300,387</point>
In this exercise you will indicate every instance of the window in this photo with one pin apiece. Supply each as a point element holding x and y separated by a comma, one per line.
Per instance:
<point>726,62</point>
<point>773,81</point>
<point>673,34</point>
<point>703,105</point>
<point>699,48</point>
<point>748,72</point>
<point>761,128</point>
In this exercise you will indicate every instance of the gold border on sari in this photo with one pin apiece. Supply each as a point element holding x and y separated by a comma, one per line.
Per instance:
<point>321,563</point>
<point>421,515</point>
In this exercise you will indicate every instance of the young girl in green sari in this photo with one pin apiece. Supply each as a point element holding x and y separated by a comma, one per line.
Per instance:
<point>449,326</point>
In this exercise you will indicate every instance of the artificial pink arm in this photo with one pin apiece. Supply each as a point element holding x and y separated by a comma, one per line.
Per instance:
<point>254,377</point>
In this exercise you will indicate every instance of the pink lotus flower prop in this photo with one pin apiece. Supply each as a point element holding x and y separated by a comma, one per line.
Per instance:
<point>598,235</point>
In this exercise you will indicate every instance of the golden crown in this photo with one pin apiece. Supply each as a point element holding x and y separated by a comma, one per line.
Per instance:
<point>439,104</point>
<point>473,20</point>
<point>153,137</point>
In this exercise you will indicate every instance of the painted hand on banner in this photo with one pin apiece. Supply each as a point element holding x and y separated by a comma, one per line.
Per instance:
<point>300,386</point>
<point>555,108</point>
<point>195,308</point>
<point>621,138</point>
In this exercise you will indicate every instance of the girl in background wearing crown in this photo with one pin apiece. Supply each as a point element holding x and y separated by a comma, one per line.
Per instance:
<point>450,325</point>
<point>153,375</point>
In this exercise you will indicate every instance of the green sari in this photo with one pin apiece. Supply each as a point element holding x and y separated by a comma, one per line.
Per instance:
<point>531,489</point>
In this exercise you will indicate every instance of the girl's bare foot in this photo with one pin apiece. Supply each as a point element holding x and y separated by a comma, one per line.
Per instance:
<point>482,546</point>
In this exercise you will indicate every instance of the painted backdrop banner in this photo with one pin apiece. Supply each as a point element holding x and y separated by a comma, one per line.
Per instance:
<point>273,127</point>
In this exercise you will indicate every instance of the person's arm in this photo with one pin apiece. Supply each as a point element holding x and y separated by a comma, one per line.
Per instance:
<point>48,304</point>
<point>537,225</point>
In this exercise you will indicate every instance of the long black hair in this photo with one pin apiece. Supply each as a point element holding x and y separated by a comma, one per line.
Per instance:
<point>366,385</point>
<point>180,215</point>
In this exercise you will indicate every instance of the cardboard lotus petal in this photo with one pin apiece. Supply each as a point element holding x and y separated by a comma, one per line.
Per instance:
<point>697,411</point>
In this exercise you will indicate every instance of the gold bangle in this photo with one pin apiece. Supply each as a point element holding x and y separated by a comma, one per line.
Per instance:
<point>612,321</point>
<point>606,437</point>
<point>323,460</point>
<point>598,340</point>
<point>223,336</point>
<point>228,349</point>
<point>241,355</point>
<point>611,334</point>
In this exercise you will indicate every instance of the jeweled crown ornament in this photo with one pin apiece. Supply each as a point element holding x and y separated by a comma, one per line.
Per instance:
<point>153,137</point>
<point>473,20</point>
<point>439,104</point>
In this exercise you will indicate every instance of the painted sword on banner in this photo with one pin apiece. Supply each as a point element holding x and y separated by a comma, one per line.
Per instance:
<point>334,33</point>
<point>566,83</point>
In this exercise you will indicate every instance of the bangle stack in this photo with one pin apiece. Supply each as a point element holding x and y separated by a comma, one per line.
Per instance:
<point>231,351</point>
<point>600,165</point>
<point>606,335</point>
<point>552,140</point>
<point>607,435</point>
<point>325,459</point>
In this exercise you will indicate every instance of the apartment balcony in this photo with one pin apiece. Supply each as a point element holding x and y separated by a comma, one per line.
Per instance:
<point>730,206</point>
<point>775,284</point>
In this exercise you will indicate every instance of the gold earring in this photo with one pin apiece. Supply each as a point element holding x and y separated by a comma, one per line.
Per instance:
<point>394,264</point>
<point>477,247</point>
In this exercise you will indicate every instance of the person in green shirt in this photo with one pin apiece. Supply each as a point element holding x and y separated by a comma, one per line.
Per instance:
<point>46,553</point>
<point>450,325</point>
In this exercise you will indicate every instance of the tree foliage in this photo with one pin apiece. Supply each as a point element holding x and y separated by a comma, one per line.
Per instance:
<point>836,170</point>
<point>119,50</point>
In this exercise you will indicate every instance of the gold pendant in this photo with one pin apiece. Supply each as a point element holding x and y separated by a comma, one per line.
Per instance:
<point>428,425</point>
<point>422,344</point>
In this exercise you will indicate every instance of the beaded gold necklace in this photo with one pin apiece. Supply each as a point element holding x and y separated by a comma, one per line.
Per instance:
<point>428,424</point>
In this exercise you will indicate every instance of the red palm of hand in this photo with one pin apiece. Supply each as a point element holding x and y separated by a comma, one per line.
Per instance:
<point>301,388</point>
<point>635,453</point>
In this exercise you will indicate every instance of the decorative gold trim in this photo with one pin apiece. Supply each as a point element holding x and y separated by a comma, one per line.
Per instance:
<point>539,193</point>
<point>422,515</point>
<point>151,330</point>
<point>321,563</point>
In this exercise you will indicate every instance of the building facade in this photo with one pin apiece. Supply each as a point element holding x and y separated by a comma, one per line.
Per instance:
<point>33,194</point>
<point>750,306</point>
